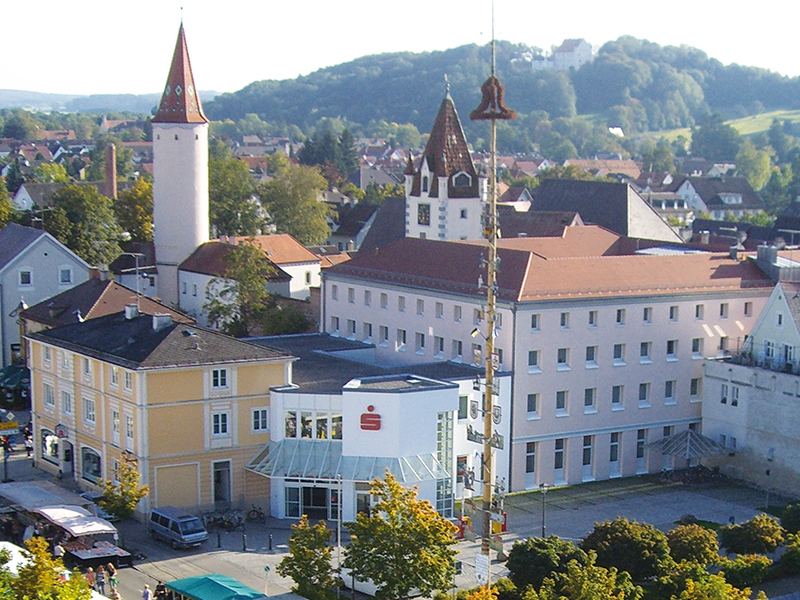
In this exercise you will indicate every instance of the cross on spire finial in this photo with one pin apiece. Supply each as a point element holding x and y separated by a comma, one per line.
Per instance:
<point>446,85</point>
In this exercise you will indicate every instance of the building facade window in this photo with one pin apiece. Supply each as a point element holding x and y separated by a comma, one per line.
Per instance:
<point>620,316</point>
<point>219,378</point>
<point>562,403</point>
<point>647,314</point>
<point>699,311</point>
<point>644,352</point>
<point>49,446</point>
<point>49,395</point>
<point>351,295</point>
<point>439,310</point>
<point>367,298</point>
<point>424,214</point>
<point>591,357</point>
<point>590,400</point>
<point>65,275</point>
<point>383,336</point>
<point>419,343</point>
<point>128,381</point>
<point>401,304</point>
<point>619,355</point>
<point>530,457</point>
<point>115,376</point>
<point>457,313</point>
<point>564,320</point>
<point>535,322</point>
<point>617,393</point>
<point>644,395</point>
<point>669,391</point>
<point>533,362</point>
<point>25,278</point>
<point>672,349</point>
<point>694,387</point>
<point>438,346</point>
<point>260,420</point>
<point>723,310</point>
<point>420,306</point>
<point>384,300</point>
<point>592,318</point>
<point>91,465</point>
<point>458,350</point>
<point>367,332</point>
<point>89,410</point>
<point>219,424</point>
<point>748,309</point>
<point>400,343</point>
<point>673,313</point>
<point>66,403</point>
<point>563,359</point>
<point>334,292</point>
<point>533,405</point>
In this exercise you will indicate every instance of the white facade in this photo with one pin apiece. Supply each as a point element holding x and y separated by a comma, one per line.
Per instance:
<point>330,427</point>
<point>662,339</point>
<point>39,271</point>
<point>305,275</point>
<point>180,198</point>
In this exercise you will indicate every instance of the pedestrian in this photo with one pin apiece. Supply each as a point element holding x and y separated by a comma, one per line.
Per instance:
<point>101,580</point>
<point>147,594</point>
<point>28,445</point>
<point>115,595</point>
<point>91,578</point>
<point>112,577</point>
<point>161,591</point>
<point>58,550</point>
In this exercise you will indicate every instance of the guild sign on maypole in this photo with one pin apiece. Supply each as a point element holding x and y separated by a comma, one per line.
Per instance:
<point>492,109</point>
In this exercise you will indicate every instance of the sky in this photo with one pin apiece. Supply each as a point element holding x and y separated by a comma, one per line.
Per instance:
<point>117,47</point>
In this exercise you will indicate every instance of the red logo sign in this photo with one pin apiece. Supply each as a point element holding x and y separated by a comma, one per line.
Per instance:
<point>369,420</point>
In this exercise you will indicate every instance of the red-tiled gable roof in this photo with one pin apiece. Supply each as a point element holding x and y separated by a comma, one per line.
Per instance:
<point>209,259</point>
<point>180,102</point>
<point>283,249</point>
<point>590,240</point>
<point>329,255</point>
<point>91,299</point>
<point>525,275</point>
<point>569,45</point>
<point>624,167</point>
<point>447,153</point>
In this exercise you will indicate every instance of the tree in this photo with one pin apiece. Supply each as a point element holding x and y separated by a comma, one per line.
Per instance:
<point>309,561</point>
<point>746,570</point>
<point>50,173</point>
<point>754,165</point>
<point>714,139</point>
<point>233,209</point>
<point>6,208</point>
<point>531,561</point>
<point>120,499</point>
<point>638,548</point>
<point>239,301</point>
<point>41,576</point>
<point>760,535</point>
<point>97,165</point>
<point>403,545</point>
<point>590,582</point>
<point>790,517</point>
<point>291,199</point>
<point>84,221</point>
<point>693,542</point>
<point>568,172</point>
<point>658,157</point>
<point>134,210</point>
<point>690,581</point>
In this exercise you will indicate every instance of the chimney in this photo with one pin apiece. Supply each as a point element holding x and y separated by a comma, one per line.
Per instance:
<point>111,171</point>
<point>131,311</point>
<point>103,274</point>
<point>232,240</point>
<point>161,320</point>
<point>705,237</point>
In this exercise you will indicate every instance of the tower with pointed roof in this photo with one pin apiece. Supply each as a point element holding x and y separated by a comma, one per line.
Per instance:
<point>180,172</point>
<point>444,192</point>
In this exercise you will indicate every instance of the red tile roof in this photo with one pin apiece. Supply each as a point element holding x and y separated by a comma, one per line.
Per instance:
<point>527,275</point>
<point>209,259</point>
<point>180,102</point>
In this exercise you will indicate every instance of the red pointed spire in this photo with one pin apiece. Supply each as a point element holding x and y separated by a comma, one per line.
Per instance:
<point>180,102</point>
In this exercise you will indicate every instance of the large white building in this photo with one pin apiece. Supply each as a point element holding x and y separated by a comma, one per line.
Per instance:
<point>180,173</point>
<point>605,347</point>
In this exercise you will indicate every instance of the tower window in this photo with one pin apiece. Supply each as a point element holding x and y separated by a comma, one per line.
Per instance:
<point>424,214</point>
<point>462,180</point>
<point>425,184</point>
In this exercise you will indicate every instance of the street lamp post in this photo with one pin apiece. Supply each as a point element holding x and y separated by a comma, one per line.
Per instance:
<point>543,487</point>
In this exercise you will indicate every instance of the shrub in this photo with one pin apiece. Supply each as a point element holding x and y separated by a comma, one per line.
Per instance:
<point>693,543</point>
<point>746,570</point>
<point>638,548</point>
<point>531,560</point>
<point>790,519</point>
<point>760,535</point>
<point>790,561</point>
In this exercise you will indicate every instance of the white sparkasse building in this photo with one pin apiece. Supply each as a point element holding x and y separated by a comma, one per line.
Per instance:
<point>346,416</point>
<point>605,347</point>
<point>751,400</point>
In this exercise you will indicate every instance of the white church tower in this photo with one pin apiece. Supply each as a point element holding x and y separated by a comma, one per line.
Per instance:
<point>444,194</point>
<point>180,173</point>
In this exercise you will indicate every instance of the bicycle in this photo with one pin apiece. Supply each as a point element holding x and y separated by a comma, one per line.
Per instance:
<point>256,514</point>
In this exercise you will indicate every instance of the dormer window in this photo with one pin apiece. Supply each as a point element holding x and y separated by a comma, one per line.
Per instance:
<point>462,180</point>
<point>425,184</point>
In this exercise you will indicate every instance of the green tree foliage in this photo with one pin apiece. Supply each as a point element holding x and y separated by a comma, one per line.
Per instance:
<point>776,193</point>
<point>134,210</point>
<point>309,561</point>
<point>336,155</point>
<point>50,173</point>
<point>403,545</point>
<point>41,577</point>
<point>282,319</point>
<point>21,125</point>
<point>233,208</point>
<point>790,516</point>
<point>239,302</point>
<point>658,157</point>
<point>713,139</point>
<point>96,170</point>
<point>377,193</point>
<point>638,548</point>
<point>691,581</point>
<point>590,582</point>
<point>291,200</point>
<point>531,561</point>
<point>6,208</point>
<point>779,141</point>
<point>790,560</point>
<point>760,535</point>
<point>746,570</point>
<point>693,543</point>
<point>84,221</point>
<point>754,165</point>
<point>121,498</point>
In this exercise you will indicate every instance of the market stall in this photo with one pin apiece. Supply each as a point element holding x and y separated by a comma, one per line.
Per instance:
<point>89,539</point>
<point>211,587</point>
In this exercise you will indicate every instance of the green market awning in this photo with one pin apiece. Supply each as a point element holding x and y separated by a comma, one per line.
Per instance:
<point>213,587</point>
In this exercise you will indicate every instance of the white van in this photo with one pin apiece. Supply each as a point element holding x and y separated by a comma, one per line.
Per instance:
<point>177,527</point>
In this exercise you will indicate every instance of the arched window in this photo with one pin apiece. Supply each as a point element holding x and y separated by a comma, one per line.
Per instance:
<point>90,465</point>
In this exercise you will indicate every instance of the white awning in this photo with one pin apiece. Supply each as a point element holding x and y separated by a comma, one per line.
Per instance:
<point>75,520</point>
<point>322,459</point>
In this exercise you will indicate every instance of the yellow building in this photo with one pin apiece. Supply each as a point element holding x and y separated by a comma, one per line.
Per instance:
<point>190,404</point>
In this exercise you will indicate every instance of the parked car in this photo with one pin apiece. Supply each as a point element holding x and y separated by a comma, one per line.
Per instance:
<point>99,511</point>
<point>177,527</point>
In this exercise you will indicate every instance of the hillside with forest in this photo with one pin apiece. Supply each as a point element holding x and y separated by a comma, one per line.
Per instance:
<point>633,84</point>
